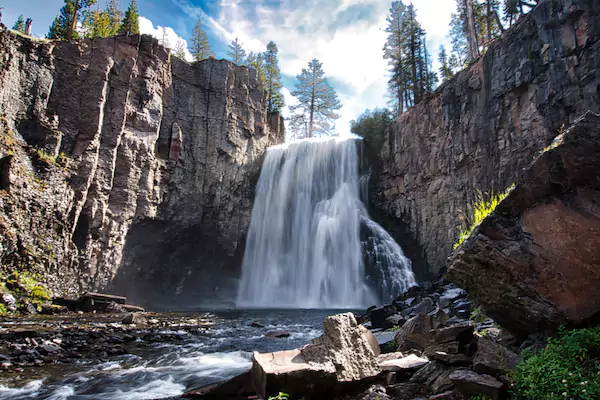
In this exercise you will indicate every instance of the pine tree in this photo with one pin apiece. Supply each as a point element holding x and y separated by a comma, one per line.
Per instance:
<point>164,38</point>
<point>256,62</point>
<point>65,23</point>
<point>179,50</point>
<point>392,51</point>
<point>200,46</point>
<point>275,100</point>
<point>19,25</point>
<point>408,57</point>
<point>131,22</point>
<point>445,70</point>
<point>317,102</point>
<point>115,16</point>
<point>236,53</point>
<point>96,24</point>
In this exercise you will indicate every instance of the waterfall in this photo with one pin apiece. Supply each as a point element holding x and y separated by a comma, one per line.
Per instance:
<point>304,247</point>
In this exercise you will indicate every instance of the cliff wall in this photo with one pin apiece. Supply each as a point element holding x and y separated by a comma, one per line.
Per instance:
<point>480,129</point>
<point>126,169</point>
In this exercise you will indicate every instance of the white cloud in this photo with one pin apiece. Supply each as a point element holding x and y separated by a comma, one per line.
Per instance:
<point>147,27</point>
<point>347,36</point>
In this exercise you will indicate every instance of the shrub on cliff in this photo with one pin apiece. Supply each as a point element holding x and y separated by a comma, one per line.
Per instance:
<point>372,127</point>
<point>567,368</point>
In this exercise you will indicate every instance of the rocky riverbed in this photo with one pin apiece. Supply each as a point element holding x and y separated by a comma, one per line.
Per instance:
<point>91,356</point>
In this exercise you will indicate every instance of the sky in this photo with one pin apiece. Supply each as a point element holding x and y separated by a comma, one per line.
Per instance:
<point>346,36</point>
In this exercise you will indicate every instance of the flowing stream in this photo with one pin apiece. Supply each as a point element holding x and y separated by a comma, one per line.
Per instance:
<point>178,361</point>
<point>304,247</point>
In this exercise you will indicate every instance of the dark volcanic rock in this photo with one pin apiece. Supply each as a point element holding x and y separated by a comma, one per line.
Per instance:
<point>473,384</point>
<point>534,263</point>
<point>493,359</point>
<point>277,334</point>
<point>482,127</point>
<point>380,315</point>
<point>136,169</point>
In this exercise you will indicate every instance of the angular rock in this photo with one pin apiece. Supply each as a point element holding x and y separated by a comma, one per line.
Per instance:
<point>396,320</point>
<point>389,356</point>
<point>473,384</point>
<point>532,263</point>
<point>342,354</point>
<point>449,395</point>
<point>9,301</point>
<point>461,333</point>
<point>438,318</point>
<point>344,346</point>
<point>459,360</point>
<point>405,391</point>
<point>135,318</point>
<point>408,363</point>
<point>493,359</point>
<point>239,387</point>
<point>379,316</point>
<point>434,376</point>
<point>376,392</point>
<point>414,333</point>
<point>424,307</point>
<point>277,334</point>
<point>446,347</point>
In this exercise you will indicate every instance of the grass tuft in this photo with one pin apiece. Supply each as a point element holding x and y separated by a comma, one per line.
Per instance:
<point>481,209</point>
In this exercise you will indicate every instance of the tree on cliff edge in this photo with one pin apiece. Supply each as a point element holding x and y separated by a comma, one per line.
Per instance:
<point>273,85</point>
<point>19,25</point>
<point>65,24</point>
<point>317,102</point>
<point>131,21</point>
<point>200,46</point>
<point>236,52</point>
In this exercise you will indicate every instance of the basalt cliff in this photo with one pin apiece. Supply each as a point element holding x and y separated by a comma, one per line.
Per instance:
<point>123,168</point>
<point>479,130</point>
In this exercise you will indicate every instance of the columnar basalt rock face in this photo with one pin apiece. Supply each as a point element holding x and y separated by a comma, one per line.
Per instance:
<point>141,165</point>
<point>485,125</point>
<point>534,263</point>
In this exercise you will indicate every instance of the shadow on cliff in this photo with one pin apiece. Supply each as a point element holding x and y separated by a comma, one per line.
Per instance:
<point>167,268</point>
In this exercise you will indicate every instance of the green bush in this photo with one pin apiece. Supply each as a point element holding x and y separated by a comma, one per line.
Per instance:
<point>567,368</point>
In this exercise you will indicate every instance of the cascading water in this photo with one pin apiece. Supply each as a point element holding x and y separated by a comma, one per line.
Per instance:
<point>304,246</point>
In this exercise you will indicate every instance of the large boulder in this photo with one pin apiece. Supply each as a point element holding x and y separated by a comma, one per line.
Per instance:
<point>493,359</point>
<point>534,263</point>
<point>415,333</point>
<point>345,353</point>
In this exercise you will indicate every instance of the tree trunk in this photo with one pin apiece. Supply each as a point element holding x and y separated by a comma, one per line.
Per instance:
<point>312,106</point>
<point>471,34</point>
<point>498,22</point>
<point>73,21</point>
<point>413,59</point>
<point>488,20</point>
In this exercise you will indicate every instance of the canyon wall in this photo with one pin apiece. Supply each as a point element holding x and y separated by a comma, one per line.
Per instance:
<point>481,128</point>
<point>126,169</point>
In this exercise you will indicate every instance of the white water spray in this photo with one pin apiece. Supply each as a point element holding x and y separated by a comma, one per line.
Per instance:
<point>304,246</point>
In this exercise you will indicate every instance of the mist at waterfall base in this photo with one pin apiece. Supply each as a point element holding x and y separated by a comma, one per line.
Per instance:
<point>311,243</point>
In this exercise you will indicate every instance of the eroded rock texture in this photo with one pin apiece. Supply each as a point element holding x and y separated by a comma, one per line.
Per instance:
<point>534,263</point>
<point>124,168</point>
<point>487,124</point>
